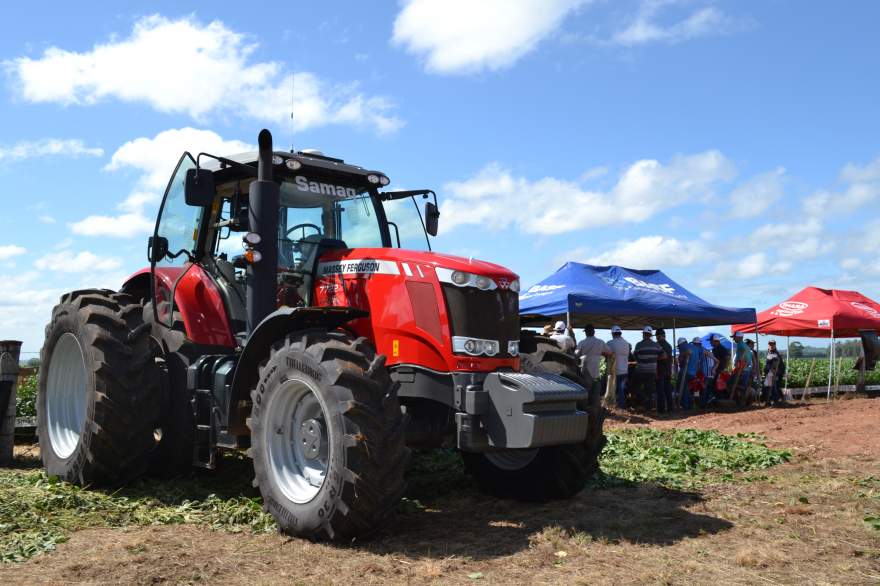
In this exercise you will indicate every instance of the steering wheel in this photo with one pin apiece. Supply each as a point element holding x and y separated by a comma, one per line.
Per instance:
<point>303,228</point>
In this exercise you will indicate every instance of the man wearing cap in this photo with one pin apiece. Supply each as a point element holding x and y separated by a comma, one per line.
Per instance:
<point>694,355</point>
<point>621,349</point>
<point>774,370</point>
<point>647,353</point>
<point>563,338</point>
<point>722,363</point>
<point>742,364</point>
<point>590,350</point>
<point>664,374</point>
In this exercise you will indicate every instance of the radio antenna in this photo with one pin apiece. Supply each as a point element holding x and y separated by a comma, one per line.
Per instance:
<point>292,94</point>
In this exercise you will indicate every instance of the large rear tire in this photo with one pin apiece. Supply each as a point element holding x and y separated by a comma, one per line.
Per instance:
<point>98,402</point>
<point>550,472</point>
<point>327,436</point>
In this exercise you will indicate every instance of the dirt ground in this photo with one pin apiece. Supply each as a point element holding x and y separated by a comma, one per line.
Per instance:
<point>800,523</point>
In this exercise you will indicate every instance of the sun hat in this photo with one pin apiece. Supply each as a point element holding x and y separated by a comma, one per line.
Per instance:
<point>616,330</point>
<point>648,330</point>
<point>560,326</point>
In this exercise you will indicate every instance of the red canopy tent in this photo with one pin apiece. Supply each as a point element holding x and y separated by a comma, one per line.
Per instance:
<point>818,313</point>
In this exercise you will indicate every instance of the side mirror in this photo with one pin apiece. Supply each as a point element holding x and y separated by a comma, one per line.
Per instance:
<point>157,248</point>
<point>432,218</point>
<point>199,187</point>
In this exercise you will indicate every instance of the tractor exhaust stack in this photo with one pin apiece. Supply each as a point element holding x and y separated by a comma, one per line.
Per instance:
<point>263,221</point>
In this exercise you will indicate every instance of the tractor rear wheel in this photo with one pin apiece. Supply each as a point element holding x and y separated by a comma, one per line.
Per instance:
<point>98,402</point>
<point>551,472</point>
<point>327,436</point>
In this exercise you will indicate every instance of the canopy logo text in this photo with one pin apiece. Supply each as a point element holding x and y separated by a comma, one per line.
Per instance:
<point>539,290</point>
<point>790,308</point>
<point>659,287</point>
<point>866,308</point>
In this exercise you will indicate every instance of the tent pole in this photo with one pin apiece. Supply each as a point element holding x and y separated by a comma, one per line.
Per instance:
<point>830,364</point>
<point>673,361</point>
<point>787,359</point>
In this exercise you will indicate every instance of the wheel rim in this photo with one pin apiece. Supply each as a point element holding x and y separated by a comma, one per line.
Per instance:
<point>297,443</point>
<point>512,459</point>
<point>66,395</point>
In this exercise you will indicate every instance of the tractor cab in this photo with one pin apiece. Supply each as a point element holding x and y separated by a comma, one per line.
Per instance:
<point>323,204</point>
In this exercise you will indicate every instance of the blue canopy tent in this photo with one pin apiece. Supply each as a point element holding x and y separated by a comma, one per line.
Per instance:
<point>612,295</point>
<point>725,341</point>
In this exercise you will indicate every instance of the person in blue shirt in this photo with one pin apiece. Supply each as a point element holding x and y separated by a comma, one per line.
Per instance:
<point>742,362</point>
<point>694,355</point>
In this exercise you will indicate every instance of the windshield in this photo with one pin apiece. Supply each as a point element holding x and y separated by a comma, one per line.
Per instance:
<point>312,211</point>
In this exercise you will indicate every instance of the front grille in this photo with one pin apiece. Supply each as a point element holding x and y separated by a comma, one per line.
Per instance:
<point>489,315</point>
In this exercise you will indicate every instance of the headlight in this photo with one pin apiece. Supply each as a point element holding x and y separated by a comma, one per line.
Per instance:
<point>475,346</point>
<point>374,179</point>
<point>513,347</point>
<point>514,286</point>
<point>459,278</point>
<point>464,279</point>
<point>293,164</point>
<point>276,160</point>
<point>483,283</point>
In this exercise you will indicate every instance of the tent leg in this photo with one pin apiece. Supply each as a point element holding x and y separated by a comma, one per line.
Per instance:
<point>787,360</point>
<point>830,365</point>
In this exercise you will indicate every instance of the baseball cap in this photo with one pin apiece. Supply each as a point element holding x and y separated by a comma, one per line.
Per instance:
<point>560,326</point>
<point>737,335</point>
<point>616,330</point>
<point>648,330</point>
<point>772,342</point>
<point>717,337</point>
<point>660,332</point>
<point>681,341</point>
<point>697,340</point>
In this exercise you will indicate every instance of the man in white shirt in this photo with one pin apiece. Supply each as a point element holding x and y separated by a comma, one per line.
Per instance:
<point>563,338</point>
<point>590,350</point>
<point>621,350</point>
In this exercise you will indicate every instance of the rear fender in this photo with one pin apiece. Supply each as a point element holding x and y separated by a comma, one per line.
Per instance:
<point>276,325</point>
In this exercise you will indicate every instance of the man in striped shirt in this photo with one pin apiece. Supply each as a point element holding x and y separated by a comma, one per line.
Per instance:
<point>647,353</point>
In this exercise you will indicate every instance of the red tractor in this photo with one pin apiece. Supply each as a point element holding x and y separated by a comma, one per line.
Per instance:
<point>315,340</point>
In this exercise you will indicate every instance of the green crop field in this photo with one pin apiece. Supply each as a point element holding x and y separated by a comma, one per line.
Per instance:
<point>798,368</point>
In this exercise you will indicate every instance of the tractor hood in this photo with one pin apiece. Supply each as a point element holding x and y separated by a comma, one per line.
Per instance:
<point>398,261</point>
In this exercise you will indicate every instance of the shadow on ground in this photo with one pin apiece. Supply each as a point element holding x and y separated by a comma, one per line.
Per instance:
<point>444,515</point>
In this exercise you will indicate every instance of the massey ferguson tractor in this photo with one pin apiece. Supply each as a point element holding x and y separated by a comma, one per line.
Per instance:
<point>280,314</point>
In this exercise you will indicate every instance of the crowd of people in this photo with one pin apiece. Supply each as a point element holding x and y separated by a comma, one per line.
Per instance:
<point>654,375</point>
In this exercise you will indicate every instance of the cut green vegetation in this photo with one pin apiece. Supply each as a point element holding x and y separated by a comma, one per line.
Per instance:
<point>37,512</point>
<point>684,458</point>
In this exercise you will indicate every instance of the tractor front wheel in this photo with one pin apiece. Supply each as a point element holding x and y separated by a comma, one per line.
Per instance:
<point>550,472</point>
<point>327,436</point>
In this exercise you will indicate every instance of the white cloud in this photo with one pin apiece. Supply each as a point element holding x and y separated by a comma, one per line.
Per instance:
<point>756,195</point>
<point>860,188</point>
<point>67,261</point>
<point>29,149</point>
<point>647,28</point>
<point>747,268</point>
<point>551,205</point>
<point>850,263</point>
<point>154,159</point>
<point>46,219</point>
<point>652,252</point>
<point>7,251</point>
<point>121,226</point>
<point>802,240</point>
<point>184,66</point>
<point>461,36</point>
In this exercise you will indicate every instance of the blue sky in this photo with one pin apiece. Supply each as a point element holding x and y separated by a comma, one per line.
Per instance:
<point>735,145</point>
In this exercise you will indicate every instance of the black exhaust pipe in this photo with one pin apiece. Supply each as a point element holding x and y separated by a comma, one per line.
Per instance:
<point>263,220</point>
